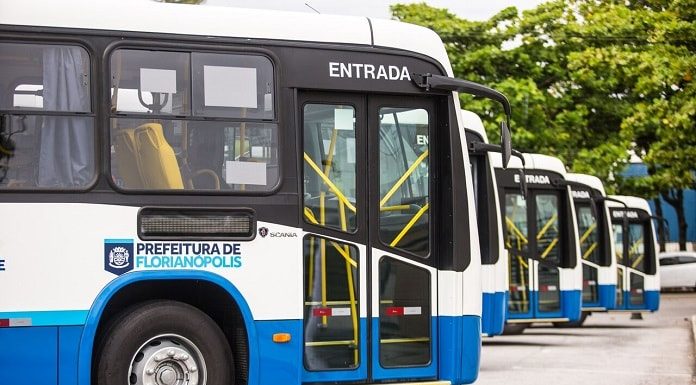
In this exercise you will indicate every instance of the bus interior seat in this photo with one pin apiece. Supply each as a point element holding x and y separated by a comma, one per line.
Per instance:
<point>127,158</point>
<point>160,169</point>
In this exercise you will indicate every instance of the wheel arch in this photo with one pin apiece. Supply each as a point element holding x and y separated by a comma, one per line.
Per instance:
<point>102,309</point>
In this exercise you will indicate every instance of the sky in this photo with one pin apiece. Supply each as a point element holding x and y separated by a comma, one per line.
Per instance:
<point>468,9</point>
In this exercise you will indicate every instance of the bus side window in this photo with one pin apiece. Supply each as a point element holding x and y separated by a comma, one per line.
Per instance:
<point>177,147</point>
<point>54,149</point>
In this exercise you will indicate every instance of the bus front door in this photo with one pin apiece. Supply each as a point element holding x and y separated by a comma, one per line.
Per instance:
<point>534,260</point>
<point>632,265</point>
<point>370,273</point>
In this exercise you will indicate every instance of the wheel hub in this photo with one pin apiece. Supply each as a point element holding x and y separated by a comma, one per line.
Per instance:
<point>167,360</point>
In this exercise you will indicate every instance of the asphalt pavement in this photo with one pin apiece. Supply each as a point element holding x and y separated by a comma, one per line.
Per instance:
<point>609,349</point>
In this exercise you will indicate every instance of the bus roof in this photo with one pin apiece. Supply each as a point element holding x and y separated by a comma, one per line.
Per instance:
<point>630,201</point>
<point>590,181</point>
<point>471,121</point>
<point>211,21</point>
<point>534,162</point>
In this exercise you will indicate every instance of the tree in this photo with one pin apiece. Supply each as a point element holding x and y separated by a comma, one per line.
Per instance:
<point>588,80</point>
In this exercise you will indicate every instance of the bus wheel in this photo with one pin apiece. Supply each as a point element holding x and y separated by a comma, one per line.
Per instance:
<point>164,343</point>
<point>513,329</point>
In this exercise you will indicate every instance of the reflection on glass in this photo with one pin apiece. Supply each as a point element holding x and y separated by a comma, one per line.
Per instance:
<point>404,179</point>
<point>588,230</point>
<point>404,314</point>
<point>617,228</point>
<point>330,166</point>
<point>636,246</point>
<point>637,294</point>
<point>516,242</point>
<point>547,236</point>
<point>193,155</point>
<point>589,284</point>
<point>331,335</point>
<point>549,288</point>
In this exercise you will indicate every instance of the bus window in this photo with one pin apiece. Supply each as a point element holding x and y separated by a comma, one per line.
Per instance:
<point>516,241</point>
<point>159,143</point>
<point>329,166</point>
<point>547,228</point>
<point>403,179</point>
<point>618,242</point>
<point>54,149</point>
<point>589,239</point>
<point>636,247</point>
<point>331,307</point>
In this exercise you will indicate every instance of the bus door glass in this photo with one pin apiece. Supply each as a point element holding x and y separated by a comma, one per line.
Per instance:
<point>517,242</point>
<point>590,250</point>
<point>635,261</point>
<point>618,230</point>
<point>548,254</point>
<point>533,238</point>
<point>367,264</point>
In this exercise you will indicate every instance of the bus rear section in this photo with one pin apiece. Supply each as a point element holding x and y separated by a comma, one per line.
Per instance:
<point>494,259</point>
<point>596,244</point>
<point>638,280</point>
<point>251,211</point>
<point>545,272</point>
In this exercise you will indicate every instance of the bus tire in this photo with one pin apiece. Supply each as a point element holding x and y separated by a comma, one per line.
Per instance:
<point>513,329</point>
<point>157,341</point>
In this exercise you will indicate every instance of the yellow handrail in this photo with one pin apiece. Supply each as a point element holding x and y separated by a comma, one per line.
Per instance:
<point>549,248</point>
<point>322,242</point>
<point>546,226</point>
<point>403,178</point>
<point>589,250</point>
<point>515,229</point>
<point>410,224</point>
<point>349,278</point>
<point>587,233</point>
<point>310,216</point>
<point>329,183</point>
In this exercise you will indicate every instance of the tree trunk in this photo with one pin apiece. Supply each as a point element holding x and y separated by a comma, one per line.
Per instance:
<point>660,224</point>
<point>675,198</point>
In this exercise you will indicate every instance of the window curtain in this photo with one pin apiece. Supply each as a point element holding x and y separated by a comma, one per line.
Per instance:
<point>66,157</point>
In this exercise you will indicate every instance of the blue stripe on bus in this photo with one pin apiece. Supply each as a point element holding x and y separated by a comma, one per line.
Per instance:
<point>29,355</point>
<point>460,349</point>
<point>607,296</point>
<point>652,300</point>
<point>49,318</point>
<point>39,355</point>
<point>571,303</point>
<point>493,314</point>
<point>118,240</point>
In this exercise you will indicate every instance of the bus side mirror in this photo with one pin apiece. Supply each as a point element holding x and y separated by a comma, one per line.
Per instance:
<point>505,143</point>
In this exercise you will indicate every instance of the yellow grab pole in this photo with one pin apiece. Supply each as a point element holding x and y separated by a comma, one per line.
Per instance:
<point>322,219</point>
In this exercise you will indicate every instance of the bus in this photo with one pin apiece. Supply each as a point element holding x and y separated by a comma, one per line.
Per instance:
<point>596,244</point>
<point>494,255</point>
<point>545,272</point>
<point>637,275</point>
<point>232,196</point>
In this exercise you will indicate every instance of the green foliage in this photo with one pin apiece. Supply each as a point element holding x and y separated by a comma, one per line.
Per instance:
<point>588,80</point>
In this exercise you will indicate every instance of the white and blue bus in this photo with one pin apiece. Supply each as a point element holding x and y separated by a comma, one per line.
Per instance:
<point>232,196</point>
<point>638,279</point>
<point>596,240</point>
<point>545,272</point>
<point>494,255</point>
